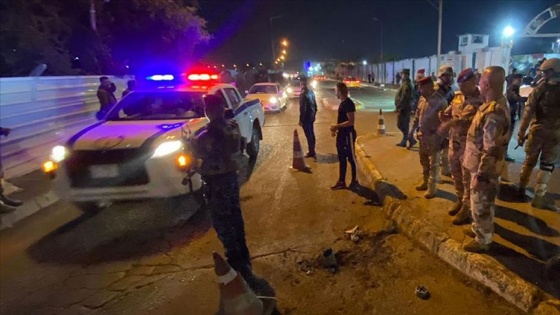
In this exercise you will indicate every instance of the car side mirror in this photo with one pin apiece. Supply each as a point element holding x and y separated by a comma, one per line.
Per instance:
<point>229,113</point>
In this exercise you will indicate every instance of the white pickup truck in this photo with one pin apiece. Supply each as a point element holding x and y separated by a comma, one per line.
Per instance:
<point>140,151</point>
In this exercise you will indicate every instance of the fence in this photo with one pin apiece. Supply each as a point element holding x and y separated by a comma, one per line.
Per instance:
<point>43,112</point>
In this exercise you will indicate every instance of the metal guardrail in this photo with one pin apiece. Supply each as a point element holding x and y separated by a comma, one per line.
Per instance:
<point>43,112</point>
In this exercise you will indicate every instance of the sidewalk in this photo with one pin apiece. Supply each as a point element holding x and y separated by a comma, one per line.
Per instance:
<point>525,237</point>
<point>34,190</point>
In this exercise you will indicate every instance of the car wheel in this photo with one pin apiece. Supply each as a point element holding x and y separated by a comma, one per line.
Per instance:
<point>254,146</point>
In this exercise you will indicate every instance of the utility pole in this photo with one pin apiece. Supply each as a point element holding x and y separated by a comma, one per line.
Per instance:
<point>440,11</point>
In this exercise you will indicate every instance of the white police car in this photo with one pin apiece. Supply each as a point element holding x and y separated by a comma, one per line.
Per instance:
<point>139,150</point>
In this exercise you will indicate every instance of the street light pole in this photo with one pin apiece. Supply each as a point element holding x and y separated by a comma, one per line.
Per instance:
<point>92,18</point>
<point>440,11</point>
<point>272,37</point>
<point>380,36</point>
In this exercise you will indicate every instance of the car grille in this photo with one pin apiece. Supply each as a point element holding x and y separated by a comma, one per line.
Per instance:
<point>130,164</point>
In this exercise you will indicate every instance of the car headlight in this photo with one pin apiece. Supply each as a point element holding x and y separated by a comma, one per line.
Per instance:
<point>59,153</point>
<point>290,90</point>
<point>273,100</point>
<point>167,148</point>
<point>314,84</point>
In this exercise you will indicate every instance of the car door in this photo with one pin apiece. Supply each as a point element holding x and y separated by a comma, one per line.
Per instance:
<point>242,116</point>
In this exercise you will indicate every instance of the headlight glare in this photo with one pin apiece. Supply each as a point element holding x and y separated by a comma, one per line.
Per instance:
<point>290,90</point>
<point>167,148</point>
<point>58,153</point>
<point>273,100</point>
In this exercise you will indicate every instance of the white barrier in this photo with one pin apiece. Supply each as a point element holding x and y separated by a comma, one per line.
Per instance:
<point>43,112</point>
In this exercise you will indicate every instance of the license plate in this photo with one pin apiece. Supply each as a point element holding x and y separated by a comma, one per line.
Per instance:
<point>104,171</point>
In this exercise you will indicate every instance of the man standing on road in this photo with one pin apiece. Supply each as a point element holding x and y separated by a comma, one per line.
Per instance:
<point>485,151</point>
<point>513,97</point>
<point>7,205</point>
<point>544,135</point>
<point>307,112</point>
<point>427,119</point>
<point>345,137</point>
<point>130,86</point>
<point>403,102</point>
<point>369,78</point>
<point>444,87</point>
<point>399,77</point>
<point>456,120</point>
<point>106,96</point>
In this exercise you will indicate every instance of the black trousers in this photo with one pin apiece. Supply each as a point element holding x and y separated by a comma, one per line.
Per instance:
<point>403,123</point>
<point>227,219</point>
<point>309,131</point>
<point>345,149</point>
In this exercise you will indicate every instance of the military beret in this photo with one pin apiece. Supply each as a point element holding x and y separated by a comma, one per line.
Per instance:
<point>465,75</point>
<point>421,71</point>
<point>407,71</point>
<point>445,70</point>
<point>425,80</point>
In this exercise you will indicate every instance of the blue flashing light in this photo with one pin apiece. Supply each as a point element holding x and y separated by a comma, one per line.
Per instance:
<point>169,126</point>
<point>161,77</point>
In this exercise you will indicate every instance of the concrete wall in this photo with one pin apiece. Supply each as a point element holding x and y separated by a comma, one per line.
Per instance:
<point>43,112</point>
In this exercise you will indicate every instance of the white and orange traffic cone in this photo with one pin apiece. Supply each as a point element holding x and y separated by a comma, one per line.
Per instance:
<point>381,124</point>
<point>236,298</point>
<point>298,162</point>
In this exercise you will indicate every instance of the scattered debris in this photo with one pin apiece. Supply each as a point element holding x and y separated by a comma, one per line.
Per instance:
<point>422,292</point>
<point>329,260</point>
<point>354,234</point>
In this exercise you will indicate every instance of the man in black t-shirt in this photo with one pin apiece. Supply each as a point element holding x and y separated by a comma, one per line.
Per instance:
<point>345,136</point>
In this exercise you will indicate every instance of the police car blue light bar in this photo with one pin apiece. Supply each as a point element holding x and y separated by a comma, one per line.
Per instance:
<point>161,77</point>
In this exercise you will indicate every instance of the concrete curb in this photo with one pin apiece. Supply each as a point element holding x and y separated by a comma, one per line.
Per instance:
<point>28,208</point>
<point>481,268</point>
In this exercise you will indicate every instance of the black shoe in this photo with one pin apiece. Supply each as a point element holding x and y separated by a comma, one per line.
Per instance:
<point>10,202</point>
<point>509,159</point>
<point>401,144</point>
<point>4,208</point>
<point>354,184</point>
<point>412,143</point>
<point>338,186</point>
<point>310,155</point>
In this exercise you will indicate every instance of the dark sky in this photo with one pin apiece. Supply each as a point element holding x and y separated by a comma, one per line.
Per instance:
<point>345,29</point>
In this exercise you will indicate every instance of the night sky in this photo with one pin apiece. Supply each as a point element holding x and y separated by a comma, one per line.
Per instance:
<point>345,29</point>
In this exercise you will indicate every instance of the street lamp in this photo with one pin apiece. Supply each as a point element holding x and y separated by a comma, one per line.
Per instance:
<point>508,32</point>
<point>272,18</point>
<point>284,52</point>
<point>285,43</point>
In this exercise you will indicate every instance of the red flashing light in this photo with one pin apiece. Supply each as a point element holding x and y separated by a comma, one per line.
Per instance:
<point>202,77</point>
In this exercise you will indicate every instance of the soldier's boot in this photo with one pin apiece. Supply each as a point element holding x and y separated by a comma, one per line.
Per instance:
<point>432,190</point>
<point>469,232</point>
<point>402,143</point>
<point>423,186</point>
<point>445,169</point>
<point>474,247</point>
<point>523,181</point>
<point>4,208</point>
<point>456,207</point>
<point>463,216</point>
<point>541,200</point>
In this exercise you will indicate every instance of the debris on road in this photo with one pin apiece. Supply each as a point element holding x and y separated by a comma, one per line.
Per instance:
<point>422,292</point>
<point>354,234</point>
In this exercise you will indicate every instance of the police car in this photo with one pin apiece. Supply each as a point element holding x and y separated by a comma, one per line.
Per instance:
<point>139,149</point>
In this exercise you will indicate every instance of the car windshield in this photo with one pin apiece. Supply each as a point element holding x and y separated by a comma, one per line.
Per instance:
<point>263,89</point>
<point>157,105</point>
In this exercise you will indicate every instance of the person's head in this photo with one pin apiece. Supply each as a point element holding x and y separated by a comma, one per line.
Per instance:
<point>516,79</point>
<point>445,74</point>
<point>550,68</point>
<point>303,83</point>
<point>492,81</point>
<point>105,82</point>
<point>467,82</point>
<point>513,71</point>
<point>405,73</point>
<point>131,84</point>
<point>214,107</point>
<point>426,86</point>
<point>341,90</point>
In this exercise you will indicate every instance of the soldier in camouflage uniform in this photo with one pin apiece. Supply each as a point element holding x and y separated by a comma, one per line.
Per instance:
<point>486,142</point>
<point>443,87</point>
<point>544,135</point>
<point>403,103</point>
<point>426,118</point>
<point>217,147</point>
<point>456,120</point>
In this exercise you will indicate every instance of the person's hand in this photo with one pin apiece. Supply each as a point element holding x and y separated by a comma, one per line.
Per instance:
<point>334,128</point>
<point>520,140</point>
<point>300,124</point>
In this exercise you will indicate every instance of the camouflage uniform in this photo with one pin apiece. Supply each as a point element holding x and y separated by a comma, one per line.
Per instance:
<point>486,139</point>
<point>217,147</point>
<point>544,136</point>
<point>403,102</point>
<point>460,114</point>
<point>427,120</point>
<point>447,93</point>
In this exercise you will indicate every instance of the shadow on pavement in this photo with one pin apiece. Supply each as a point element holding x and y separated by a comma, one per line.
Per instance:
<point>446,195</point>
<point>537,247</point>
<point>121,234</point>
<point>384,189</point>
<point>530,269</point>
<point>327,158</point>
<point>508,192</point>
<point>367,193</point>
<point>530,222</point>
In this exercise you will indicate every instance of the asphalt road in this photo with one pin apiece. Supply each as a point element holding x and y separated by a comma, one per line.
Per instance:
<point>144,258</point>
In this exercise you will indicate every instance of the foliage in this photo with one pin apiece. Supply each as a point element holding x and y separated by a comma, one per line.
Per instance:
<point>58,33</point>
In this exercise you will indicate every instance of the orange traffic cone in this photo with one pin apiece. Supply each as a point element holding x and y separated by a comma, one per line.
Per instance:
<point>381,124</point>
<point>298,162</point>
<point>236,298</point>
